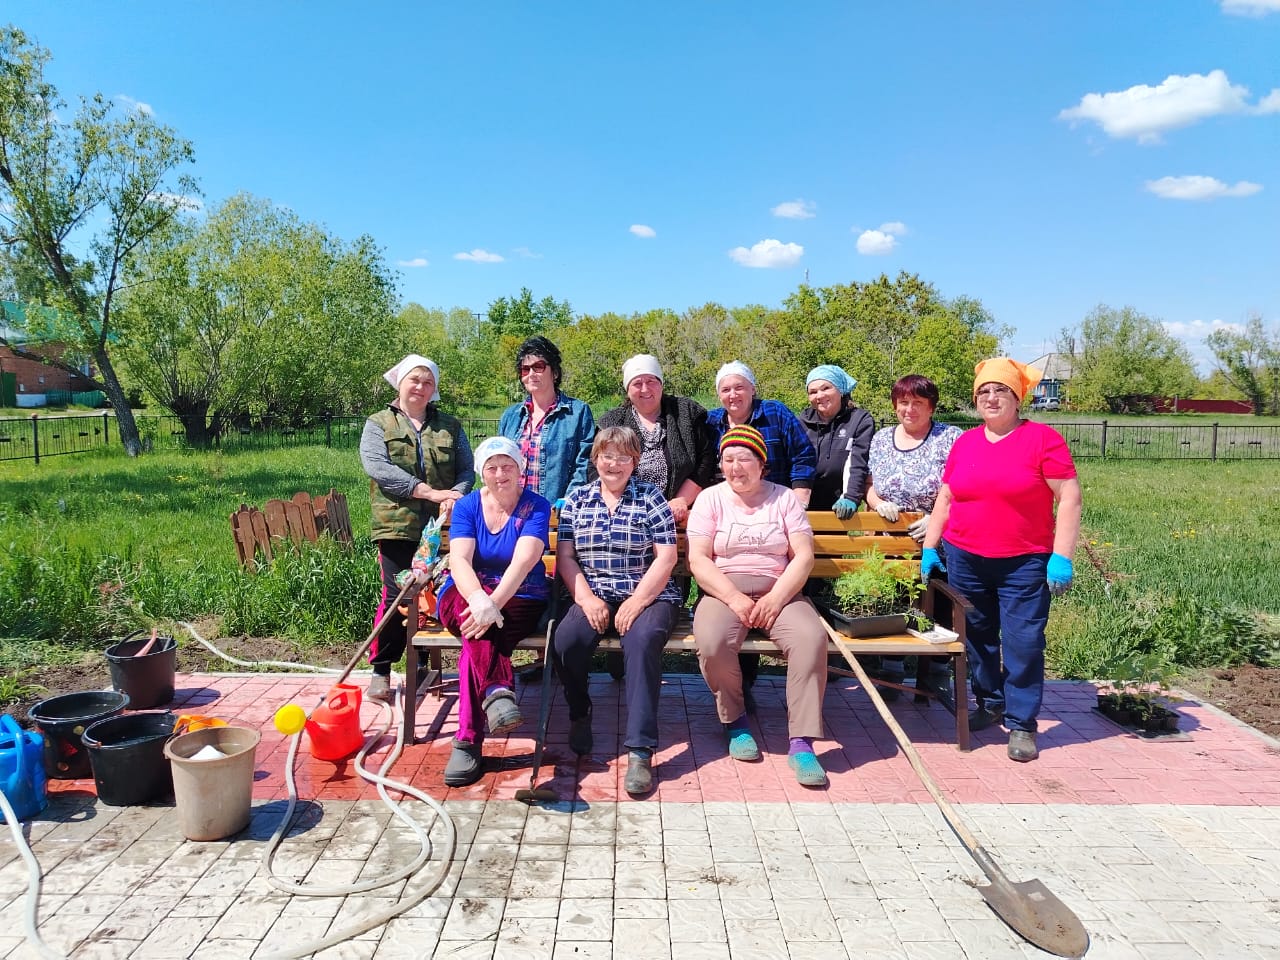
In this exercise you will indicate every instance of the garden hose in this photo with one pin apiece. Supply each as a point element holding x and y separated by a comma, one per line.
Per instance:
<point>34,882</point>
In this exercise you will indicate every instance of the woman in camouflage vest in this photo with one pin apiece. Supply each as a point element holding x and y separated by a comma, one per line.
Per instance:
<point>419,463</point>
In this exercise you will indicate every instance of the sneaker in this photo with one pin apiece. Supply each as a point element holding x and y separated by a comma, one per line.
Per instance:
<point>639,779</point>
<point>985,717</point>
<point>379,688</point>
<point>1022,745</point>
<point>809,772</point>
<point>465,765</point>
<point>742,745</point>
<point>580,741</point>
<point>501,711</point>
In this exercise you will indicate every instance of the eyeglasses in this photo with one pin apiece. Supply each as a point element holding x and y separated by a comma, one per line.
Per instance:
<point>538,366</point>
<point>995,392</point>
<point>618,458</point>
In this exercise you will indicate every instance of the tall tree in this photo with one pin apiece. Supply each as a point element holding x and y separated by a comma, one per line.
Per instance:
<point>1250,361</point>
<point>253,311</point>
<point>1121,353</point>
<point>102,183</point>
<point>879,331</point>
<point>521,317</point>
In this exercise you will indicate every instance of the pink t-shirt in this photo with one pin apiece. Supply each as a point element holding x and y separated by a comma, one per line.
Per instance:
<point>752,542</point>
<point>1001,505</point>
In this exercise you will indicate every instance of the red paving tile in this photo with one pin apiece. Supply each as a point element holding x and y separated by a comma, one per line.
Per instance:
<point>1084,758</point>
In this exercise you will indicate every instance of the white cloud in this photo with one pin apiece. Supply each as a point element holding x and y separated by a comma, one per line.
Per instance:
<point>479,256</point>
<point>768,254</point>
<point>894,227</point>
<point>131,104</point>
<point>415,262</point>
<point>1199,188</point>
<point>642,230</point>
<point>1198,329</point>
<point>796,210</point>
<point>1144,112</point>
<point>1250,8</point>
<point>526,253</point>
<point>193,204</point>
<point>876,243</point>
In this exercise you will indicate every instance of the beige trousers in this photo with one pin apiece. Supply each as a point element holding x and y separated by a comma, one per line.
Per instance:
<point>799,635</point>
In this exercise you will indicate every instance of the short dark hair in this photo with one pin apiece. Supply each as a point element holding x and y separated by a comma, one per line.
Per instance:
<point>914,385</point>
<point>544,348</point>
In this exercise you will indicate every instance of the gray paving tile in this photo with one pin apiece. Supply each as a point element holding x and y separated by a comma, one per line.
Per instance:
<point>585,919</point>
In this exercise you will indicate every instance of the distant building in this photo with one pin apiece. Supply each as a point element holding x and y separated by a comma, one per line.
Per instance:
<point>33,381</point>
<point>1056,374</point>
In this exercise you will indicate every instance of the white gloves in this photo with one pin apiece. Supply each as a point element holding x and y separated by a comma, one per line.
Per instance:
<point>888,509</point>
<point>484,611</point>
<point>917,529</point>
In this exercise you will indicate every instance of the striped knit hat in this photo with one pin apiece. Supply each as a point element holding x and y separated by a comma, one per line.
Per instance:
<point>748,437</point>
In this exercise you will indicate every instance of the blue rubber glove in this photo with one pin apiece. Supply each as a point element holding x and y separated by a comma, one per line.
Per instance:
<point>844,508</point>
<point>558,505</point>
<point>1059,574</point>
<point>929,562</point>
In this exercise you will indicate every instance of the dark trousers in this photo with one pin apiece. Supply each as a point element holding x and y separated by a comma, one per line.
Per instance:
<point>1005,629</point>
<point>575,640</point>
<point>394,556</point>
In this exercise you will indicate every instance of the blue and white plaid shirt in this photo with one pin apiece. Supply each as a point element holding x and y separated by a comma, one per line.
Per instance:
<point>615,550</point>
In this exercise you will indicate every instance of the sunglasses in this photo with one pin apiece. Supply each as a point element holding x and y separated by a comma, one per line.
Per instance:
<point>538,366</point>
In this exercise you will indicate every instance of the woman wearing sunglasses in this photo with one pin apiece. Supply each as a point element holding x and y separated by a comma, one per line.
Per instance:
<point>554,431</point>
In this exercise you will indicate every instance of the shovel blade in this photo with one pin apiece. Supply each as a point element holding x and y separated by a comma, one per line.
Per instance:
<point>1038,916</point>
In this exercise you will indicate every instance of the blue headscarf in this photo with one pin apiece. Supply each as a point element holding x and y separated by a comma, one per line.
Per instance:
<point>829,372</point>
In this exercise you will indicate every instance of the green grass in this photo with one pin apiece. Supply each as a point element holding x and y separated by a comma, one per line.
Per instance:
<point>96,545</point>
<point>1181,561</point>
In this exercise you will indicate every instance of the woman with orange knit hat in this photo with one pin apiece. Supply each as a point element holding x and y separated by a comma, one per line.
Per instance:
<point>1007,549</point>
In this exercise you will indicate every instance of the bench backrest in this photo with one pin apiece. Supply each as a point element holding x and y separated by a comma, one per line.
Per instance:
<point>838,545</point>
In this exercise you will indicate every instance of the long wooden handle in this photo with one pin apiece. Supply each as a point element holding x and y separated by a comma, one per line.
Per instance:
<point>966,837</point>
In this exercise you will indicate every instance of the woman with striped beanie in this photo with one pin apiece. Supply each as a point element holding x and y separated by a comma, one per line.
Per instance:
<point>751,551</point>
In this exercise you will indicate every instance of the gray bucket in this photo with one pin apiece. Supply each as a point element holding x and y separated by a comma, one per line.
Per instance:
<point>213,797</point>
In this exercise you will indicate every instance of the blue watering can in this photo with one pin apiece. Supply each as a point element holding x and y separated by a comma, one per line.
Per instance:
<point>22,776</point>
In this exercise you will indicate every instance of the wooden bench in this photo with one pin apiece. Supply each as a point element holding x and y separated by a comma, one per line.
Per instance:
<point>838,547</point>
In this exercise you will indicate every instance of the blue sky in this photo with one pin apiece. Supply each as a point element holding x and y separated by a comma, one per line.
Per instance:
<point>1042,157</point>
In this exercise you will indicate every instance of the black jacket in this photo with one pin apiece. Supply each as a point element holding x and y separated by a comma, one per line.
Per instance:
<point>690,445</point>
<point>842,443</point>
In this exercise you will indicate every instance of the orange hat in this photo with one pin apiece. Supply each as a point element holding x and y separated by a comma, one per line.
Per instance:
<point>1018,377</point>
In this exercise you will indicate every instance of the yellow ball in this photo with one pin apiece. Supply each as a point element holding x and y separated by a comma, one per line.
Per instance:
<point>290,719</point>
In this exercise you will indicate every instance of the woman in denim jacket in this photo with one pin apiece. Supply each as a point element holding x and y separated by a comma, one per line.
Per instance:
<point>553,431</point>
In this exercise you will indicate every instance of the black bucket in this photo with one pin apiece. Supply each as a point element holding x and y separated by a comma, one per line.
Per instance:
<point>148,680</point>
<point>127,756</point>
<point>63,719</point>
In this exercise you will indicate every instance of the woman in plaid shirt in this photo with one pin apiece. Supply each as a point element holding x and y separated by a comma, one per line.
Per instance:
<point>615,550</point>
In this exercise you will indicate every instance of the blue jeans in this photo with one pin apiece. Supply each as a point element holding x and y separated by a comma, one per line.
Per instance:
<point>642,646</point>
<point>1010,611</point>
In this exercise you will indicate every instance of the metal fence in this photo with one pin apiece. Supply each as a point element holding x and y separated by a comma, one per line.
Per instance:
<point>37,437</point>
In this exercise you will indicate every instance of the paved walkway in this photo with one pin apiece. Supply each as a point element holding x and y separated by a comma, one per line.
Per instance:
<point>1165,848</point>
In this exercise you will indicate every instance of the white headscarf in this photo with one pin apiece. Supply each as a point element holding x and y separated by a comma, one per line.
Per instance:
<point>638,366</point>
<point>735,368</point>
<point>413,360</point>
<point>498,447</point>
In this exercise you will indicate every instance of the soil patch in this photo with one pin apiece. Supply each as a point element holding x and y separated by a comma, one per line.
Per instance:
<point>1249,693</point>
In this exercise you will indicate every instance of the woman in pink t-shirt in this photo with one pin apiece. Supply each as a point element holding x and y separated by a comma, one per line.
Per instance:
<point>751,551</point>
<point>1006,548</point>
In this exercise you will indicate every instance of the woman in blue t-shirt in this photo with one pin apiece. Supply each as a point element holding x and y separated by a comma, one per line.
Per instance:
<point>494,596</point>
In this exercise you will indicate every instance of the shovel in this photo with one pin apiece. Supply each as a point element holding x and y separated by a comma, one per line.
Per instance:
<point>1028,907</point>
<point>533,793</point>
